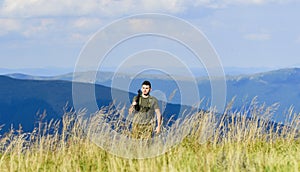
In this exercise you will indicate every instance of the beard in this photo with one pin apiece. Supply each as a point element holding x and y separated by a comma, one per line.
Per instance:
<point>146,94</point>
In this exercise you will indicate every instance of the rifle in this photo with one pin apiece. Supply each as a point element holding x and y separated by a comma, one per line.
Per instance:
<point>137,100</point>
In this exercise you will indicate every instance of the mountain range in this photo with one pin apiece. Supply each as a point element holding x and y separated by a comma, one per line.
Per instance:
<point>24,102</point>
<point>24,97</point>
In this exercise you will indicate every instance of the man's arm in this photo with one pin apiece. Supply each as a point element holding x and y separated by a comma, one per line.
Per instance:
<point>131,109</point>
<point>159,120</point>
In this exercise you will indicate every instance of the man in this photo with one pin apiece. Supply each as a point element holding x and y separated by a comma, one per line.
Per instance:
<point>144,106</point>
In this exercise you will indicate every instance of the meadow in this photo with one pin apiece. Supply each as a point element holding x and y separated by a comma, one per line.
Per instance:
<point>230,142</point>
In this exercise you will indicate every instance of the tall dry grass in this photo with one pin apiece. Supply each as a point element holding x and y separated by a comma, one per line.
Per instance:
<point>207,142</point>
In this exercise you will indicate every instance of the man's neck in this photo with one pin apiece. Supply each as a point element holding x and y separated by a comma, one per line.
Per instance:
<point>145,96</point>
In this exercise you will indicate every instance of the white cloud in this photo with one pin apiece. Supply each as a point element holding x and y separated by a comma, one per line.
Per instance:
<point>257,36</point>
<point>78,37</point>
<point>49,27</point>
<point>8,25</point>
<point>86,23</point>
<point>224,3</point>
<point>172,6</point>
<point>38,8</point>
<point>34,8</point>
<point>141,24</point>
<point>37,27</point>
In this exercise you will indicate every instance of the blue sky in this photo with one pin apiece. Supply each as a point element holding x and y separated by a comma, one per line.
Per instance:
<point>245,33</point>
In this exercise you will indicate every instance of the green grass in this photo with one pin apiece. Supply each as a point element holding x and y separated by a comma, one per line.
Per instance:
<point>245,147</point>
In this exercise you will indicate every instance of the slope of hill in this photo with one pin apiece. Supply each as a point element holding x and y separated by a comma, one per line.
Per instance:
<point>22,101</point>
<point>279,86</point>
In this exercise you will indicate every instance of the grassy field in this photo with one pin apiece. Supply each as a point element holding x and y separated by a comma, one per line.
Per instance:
<point>248,144</point>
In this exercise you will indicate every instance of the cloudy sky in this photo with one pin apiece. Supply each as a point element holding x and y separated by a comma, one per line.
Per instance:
<point>245,33</point>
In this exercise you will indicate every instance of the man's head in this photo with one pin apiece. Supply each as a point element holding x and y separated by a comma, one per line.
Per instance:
<point>146,88</point>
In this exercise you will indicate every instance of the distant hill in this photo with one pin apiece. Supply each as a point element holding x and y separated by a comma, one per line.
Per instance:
<point>278,86</point>
<point>23,100</point>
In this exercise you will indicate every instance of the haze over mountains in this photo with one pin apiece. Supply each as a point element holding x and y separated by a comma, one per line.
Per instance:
<point>23,96</point>
<point>22,101</point>
<point>54,71</point>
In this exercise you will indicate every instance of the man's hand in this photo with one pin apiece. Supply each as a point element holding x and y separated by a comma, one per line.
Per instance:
<point>131,109</point>
<point>159,121</point>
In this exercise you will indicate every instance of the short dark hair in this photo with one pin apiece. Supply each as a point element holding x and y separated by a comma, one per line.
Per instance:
<point>147,83</point>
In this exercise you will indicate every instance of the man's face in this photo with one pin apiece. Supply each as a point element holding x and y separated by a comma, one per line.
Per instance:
<point>146,89</point>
